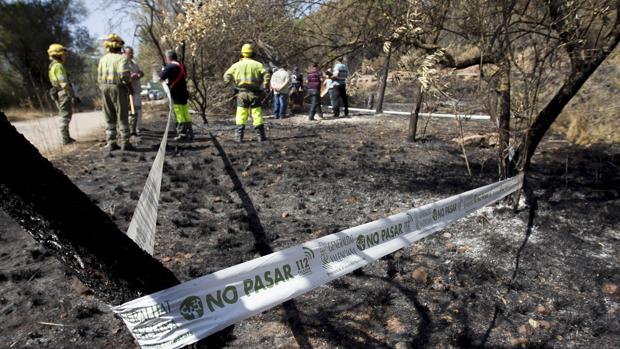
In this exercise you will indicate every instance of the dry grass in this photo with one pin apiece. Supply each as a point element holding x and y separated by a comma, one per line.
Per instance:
<point>592,115</point>
<point>22,114</point>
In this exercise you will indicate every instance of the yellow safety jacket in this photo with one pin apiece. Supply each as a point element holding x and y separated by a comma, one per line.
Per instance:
<point>113,69</point>
<point>247,74</point>
<point>58,76</point>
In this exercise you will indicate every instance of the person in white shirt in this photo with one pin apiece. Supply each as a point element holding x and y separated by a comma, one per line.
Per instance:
<point>280,85</point>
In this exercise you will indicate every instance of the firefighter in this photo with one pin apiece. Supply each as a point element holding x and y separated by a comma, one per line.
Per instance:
<point>114,81</point>
<point>61,91</point>
<point>174,73</point>
<point>251,79</point>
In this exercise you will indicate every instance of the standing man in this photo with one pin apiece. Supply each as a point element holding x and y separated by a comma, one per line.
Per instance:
<point>114,81</point>
<point>341,73</point>
<point>280,84</point>
<point>251,79</point>
<point>174,72</point>
<point>135,74</point>
<point>314,79</point>
<point>61,91</point>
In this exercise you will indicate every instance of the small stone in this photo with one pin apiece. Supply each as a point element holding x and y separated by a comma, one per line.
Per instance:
<point>519,342</point>
<point>447,235</point>
<point>542,310</point>
<point>523,330</point>
<point>610,289</point>
<point>245,174</point>
<point>535,324</point>
<point>545,325</point>
<point>450,246</point>
<point>420,274</point>
<point>285,214</point>
<point>79,287</point>
<point>401,345</point>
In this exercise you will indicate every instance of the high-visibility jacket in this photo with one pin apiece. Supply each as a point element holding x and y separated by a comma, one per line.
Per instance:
<point>58,76</point>
<point>113,69</point>
<point>247,74</point>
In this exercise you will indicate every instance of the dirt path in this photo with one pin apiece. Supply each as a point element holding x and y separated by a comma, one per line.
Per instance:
<point>44,134</point>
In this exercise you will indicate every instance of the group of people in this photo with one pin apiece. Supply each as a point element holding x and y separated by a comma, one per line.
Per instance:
<point>118,77</point>
<point>333,83</point>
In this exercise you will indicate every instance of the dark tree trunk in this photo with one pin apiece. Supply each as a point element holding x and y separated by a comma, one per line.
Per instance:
<point>415,112</point>
<point>58,215</point>
<point>383,83</point>
<point>503,117</point>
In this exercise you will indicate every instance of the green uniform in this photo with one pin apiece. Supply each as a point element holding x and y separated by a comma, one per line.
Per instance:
<point>62,95</point>
<point>113,78</point>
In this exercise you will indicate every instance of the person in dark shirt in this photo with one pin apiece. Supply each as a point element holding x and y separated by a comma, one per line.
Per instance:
<point>174,73</point>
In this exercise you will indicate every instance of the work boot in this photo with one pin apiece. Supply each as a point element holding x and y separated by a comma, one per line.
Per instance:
<point>239,133</point>
<point>128,147</point>
<point>181,132</point>
<point>190,131</point>
<point>260,133</point>
<point>111,147</point>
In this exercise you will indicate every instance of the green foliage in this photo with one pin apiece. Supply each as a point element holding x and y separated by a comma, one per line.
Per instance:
<point>27,28</point>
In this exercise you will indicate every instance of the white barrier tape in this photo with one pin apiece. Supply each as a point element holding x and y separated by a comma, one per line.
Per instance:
<point>185,313</point>
<point>142,226</point>
<point>438,115</point>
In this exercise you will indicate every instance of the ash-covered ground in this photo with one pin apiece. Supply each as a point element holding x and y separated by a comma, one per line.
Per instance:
<point>486,281</point>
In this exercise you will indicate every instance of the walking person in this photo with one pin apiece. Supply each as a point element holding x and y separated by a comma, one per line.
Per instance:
<point>114,81</point>
<point>340,75</point>
<point>314,79</point>
<point>135,117</point>
<point>62,90</point>
<point>174,73</point>
<point>251,79</point>
<point>280,85</point>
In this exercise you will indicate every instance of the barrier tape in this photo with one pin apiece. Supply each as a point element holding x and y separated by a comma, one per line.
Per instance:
<point>188,312</point>
<point>142,226</point>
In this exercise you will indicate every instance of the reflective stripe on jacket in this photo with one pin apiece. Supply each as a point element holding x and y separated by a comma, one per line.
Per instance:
<point>247,74</point>
<point>113,69</point>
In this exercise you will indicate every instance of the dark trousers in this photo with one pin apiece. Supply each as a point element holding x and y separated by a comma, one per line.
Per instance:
<point>315,103</point>
<point>340,93</point>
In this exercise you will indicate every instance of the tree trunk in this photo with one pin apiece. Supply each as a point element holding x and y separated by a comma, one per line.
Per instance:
<point>64,220</point>
<point>383,82</point>
<point>503,117</point>
<point>415,112</point>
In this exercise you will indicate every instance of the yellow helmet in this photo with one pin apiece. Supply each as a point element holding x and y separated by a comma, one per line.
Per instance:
<point>247,50</point>
<point>113,41</point>
<point>56,50</point>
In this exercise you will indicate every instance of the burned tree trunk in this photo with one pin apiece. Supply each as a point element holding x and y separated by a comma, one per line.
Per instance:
<point>58,215</point>
<point>383,83</point>
<point>503,117</point>
<point>415,112</point>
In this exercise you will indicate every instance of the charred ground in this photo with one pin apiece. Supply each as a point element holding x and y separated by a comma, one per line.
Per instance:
<point>485,281</point>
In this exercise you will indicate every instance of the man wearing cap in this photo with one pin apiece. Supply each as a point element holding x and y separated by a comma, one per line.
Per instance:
<point>252,79</point>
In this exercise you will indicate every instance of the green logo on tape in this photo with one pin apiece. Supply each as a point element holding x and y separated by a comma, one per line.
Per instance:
<point>192,308</point>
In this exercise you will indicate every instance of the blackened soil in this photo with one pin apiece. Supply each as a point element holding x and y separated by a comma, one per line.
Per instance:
<point>486,281</point>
